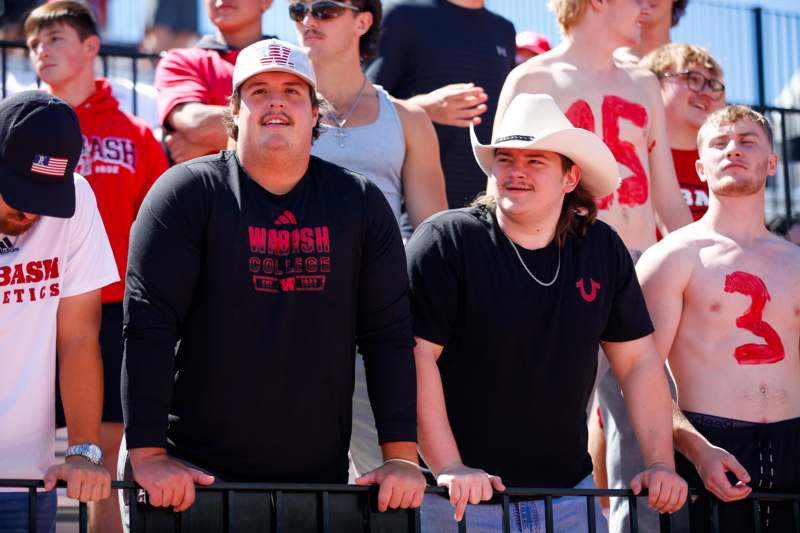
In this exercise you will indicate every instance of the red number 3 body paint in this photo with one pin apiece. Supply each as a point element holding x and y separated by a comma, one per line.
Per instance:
<point>752,353</point>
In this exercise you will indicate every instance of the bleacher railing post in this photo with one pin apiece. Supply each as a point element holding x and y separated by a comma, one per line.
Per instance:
<point>758,31</point>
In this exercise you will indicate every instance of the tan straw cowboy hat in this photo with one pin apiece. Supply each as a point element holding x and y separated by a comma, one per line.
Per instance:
<point>534,122</point>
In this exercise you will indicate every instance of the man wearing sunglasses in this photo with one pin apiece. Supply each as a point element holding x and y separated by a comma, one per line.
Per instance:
<point>391,142</point>
<point>194,83</point>
<point>450,57</point>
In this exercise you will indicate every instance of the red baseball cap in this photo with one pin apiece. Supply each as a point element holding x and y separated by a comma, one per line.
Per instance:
<point>533,41</point>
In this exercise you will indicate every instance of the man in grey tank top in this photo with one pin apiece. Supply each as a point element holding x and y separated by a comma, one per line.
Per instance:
<point>391,142</point>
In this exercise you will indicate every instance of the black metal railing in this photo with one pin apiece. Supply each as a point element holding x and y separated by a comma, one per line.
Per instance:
<point>293,508</point>
<point>783,192</point>
<point>123,60</point>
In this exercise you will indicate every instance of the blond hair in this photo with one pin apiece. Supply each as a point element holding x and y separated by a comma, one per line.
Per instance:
<point>568,12</point>
<point>731,114</point>
<point>676,57</point>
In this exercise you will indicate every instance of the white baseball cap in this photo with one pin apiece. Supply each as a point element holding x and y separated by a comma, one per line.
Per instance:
<point>272,55</point>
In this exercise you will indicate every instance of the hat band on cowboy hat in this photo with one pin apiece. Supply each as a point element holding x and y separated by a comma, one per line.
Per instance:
<point>535,122</point>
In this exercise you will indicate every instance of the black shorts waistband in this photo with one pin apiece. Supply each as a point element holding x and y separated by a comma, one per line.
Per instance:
<point>700,420</point>
<point>704,422</point>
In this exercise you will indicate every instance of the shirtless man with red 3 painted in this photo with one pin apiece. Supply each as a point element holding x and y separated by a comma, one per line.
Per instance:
<point>622,105</point>
<point>724,295</point>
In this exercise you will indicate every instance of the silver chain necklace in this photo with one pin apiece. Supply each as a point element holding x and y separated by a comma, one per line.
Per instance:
<point>558,268</point>
<point>340,122</point>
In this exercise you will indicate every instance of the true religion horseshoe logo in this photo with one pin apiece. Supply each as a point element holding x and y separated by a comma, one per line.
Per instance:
<point>592,294</point>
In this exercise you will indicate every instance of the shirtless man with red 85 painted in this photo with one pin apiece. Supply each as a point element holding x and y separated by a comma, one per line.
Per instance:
<point>724,296</point>
<point>621,105</point>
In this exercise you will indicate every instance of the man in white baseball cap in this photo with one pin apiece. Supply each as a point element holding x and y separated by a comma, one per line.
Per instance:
<point>511,299</point>
<point>269,266</point>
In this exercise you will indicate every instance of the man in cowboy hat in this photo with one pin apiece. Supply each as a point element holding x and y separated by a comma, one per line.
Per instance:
<point>511,299</point>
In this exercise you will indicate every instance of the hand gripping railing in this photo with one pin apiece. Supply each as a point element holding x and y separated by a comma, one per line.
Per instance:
<point>300,508</point>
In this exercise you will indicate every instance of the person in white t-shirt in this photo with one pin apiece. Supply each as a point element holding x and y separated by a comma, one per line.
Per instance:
<point>54,258</point>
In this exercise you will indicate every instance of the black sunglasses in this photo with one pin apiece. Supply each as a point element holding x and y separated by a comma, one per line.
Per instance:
<point>324,10</point>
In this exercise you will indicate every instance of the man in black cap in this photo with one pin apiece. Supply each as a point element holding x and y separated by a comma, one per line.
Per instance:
<point>54,258</point>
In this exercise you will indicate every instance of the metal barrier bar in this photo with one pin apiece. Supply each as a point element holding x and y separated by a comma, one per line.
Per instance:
<point>324,511</point>
<point>227,516</point>
<point>276,507</point>
<point>756,516</point>
<point>133,513</point>
<point>506,517</point>
<point>633,514</point>
<point>32,509</point>
<point>135,80</point>
<point>282,507</point>
<point>548,514</point>
<point>83,518</point>
<point>796,515</point>
<point>714,515</point>
<point>665,523</point>
<point>3,71</point>
<point>758,27</point>
<point>417,520</point>
<point>787,182</point>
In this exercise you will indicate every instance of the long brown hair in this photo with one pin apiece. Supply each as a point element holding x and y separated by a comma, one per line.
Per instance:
<point>578,211</point>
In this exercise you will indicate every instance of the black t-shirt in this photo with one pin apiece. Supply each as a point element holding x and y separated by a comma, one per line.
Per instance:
<point>519,359</point>
<point>427,44</point>
<point>268,296</point>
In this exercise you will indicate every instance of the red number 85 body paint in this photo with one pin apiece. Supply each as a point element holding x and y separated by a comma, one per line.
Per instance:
<point>633,189</point>
<point>752,353</point>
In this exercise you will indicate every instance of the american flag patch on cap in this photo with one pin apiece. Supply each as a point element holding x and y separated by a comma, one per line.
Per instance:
<point>49,166</point>
<point>278,55</point>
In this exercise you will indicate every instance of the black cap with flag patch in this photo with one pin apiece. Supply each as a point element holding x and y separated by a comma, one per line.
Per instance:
<point>40,144</point>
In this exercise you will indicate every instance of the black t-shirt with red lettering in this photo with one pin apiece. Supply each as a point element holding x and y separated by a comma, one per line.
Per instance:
<point>268,296</point>
<point>519,358</point>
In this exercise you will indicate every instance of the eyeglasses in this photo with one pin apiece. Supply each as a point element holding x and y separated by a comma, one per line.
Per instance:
<point>324,10</point>
<point>697,82</point>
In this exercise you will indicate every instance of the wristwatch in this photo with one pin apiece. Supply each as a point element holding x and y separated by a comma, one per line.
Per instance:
<point>87,450</point>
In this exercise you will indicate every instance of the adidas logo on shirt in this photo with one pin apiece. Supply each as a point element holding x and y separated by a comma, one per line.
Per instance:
<point>286,218</point>
<point>7,247</point>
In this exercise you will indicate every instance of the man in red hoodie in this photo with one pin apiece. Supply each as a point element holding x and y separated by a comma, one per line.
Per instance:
<point>120,159</point>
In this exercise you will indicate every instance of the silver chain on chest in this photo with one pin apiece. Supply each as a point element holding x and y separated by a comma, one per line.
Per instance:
<point>534,278</point>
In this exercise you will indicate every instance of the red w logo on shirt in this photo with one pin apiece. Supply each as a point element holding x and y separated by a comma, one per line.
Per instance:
<point>278,55</point>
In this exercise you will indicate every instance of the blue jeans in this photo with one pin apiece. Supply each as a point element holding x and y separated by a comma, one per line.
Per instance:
<point>14,512</point>
<point>569,515</point>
